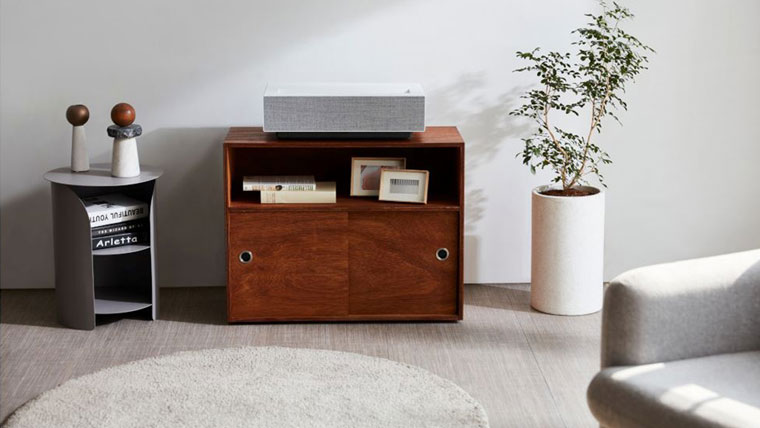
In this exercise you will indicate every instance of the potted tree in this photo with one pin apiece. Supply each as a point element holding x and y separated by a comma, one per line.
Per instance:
<point>568,216</point>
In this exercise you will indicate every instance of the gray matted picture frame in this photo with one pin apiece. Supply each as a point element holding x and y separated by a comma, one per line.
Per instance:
<point>404,185</point>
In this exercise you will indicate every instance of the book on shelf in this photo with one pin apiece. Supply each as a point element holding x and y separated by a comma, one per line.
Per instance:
<point>120,240</point>
<point>127,226</point>
<point>323,193</point>
<point>302,183</point>
<point>113,208</point>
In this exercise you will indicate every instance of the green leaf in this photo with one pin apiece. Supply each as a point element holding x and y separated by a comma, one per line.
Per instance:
<point>605,60</point>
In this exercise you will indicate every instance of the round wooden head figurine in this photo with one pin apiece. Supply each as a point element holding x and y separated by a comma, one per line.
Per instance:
<point>124,160</point>
<point>123,114</point>
<point>78,115</point>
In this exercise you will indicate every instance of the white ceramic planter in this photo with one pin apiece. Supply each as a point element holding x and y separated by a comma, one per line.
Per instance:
<point>124,160</point>
<point>567,253</point>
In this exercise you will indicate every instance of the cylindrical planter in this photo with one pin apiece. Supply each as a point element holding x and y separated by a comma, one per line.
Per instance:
<point>567,252</point>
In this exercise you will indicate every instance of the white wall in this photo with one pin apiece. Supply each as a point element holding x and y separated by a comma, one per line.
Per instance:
<point>685,181</point>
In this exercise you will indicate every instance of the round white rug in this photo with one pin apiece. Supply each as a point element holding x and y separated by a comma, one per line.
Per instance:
<point>255,387</point>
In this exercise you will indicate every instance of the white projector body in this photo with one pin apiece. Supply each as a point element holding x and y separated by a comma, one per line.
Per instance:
<point>350,109</point>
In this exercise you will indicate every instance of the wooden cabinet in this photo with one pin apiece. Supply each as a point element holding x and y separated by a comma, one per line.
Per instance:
<point>359,259</point>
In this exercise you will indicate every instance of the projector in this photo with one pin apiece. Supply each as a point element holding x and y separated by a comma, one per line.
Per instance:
<point>344,110</point>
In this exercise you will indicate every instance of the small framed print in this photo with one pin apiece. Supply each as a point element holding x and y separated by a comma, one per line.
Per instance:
<point>365,174</point>
<point>404,185</point>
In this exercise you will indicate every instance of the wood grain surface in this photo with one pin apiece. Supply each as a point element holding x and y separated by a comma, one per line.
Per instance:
<point>299,266</point>
<point>433,136</point>
<point>393,267</point>
<point>359,259</point>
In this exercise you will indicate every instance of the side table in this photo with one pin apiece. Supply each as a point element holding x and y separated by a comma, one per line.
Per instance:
<point>105,281</point>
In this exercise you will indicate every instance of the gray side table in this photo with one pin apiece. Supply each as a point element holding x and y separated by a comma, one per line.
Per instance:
<point>106,281</point>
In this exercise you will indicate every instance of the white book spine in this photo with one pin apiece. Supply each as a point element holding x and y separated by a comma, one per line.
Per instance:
<point>110,209</point>
<point>279,183</point>
<point>117,215</point>
<point>323,194</point>
<point>249,187</point>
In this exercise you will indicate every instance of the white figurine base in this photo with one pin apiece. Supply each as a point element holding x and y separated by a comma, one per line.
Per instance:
<point>80,161</point>
<point>125,162</point>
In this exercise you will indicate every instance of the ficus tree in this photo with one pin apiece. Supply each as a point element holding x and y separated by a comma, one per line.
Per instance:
<point>589,83</point>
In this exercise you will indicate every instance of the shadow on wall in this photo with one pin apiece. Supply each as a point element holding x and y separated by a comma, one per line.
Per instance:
<point>190,226</point>
<point>487,128</point>
<point>190,238</point>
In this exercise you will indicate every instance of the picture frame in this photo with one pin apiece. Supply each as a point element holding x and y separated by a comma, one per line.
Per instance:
<point>366,171</point>
<point>404,185</point>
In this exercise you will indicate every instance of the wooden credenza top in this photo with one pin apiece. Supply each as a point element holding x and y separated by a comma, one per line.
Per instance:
<point>434,136</point>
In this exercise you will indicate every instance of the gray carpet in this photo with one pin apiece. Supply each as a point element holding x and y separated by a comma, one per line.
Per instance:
<point>255,387</point>
<point>526,368</point>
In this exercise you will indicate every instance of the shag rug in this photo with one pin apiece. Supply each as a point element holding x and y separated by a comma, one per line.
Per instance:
<point>255,387</point>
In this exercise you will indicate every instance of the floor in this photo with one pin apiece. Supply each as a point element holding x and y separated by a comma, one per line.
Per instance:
<point>528,369</point>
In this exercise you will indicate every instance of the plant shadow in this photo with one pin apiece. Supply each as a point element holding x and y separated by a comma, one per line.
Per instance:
<point>487,128</point>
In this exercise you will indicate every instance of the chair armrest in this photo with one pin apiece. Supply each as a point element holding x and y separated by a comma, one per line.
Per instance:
<point>682,310</point>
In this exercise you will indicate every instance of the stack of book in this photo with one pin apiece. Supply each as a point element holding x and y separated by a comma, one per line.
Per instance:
<point>290,189</point>
<point>117,220</point>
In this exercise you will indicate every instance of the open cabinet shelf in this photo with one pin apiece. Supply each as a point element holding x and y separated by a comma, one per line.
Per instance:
<point>250,203</point>
<point>106,281</point>
<point>115,251</point>
<point>120,300</point>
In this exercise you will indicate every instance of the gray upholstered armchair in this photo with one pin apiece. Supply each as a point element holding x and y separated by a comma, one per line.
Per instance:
<point>681,345</point>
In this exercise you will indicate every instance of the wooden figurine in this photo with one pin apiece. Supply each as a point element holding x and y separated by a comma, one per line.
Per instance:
<point>78,115</point>
<point>124,161</point>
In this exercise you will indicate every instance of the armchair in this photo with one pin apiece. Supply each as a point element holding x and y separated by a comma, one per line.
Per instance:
<point>681,345</point>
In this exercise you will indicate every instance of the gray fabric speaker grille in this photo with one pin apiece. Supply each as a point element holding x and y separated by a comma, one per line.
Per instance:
<point>344,114</point>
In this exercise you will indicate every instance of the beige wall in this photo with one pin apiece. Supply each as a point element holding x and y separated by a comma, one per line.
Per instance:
<point>684,183</point>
